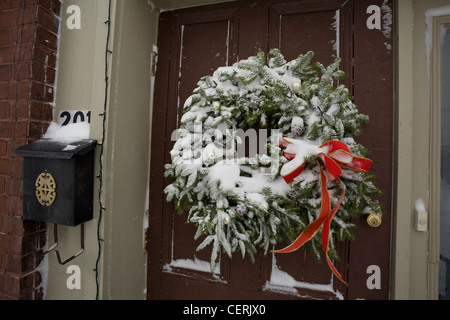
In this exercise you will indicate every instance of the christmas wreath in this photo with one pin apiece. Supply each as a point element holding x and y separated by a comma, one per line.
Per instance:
<point>311,178</point>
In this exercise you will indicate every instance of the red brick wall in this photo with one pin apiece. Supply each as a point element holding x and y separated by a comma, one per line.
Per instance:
<point>28,52</point>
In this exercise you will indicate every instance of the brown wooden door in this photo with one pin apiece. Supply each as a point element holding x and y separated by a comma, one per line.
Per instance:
<point>195,42</point>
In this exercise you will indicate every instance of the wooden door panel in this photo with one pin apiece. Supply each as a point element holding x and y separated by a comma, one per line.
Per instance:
<point>193,43</point>
<point>325,28</point>
<point>373,94</point>
<point>200,44</point>
<point>212,37</point>
<point>298,27</point>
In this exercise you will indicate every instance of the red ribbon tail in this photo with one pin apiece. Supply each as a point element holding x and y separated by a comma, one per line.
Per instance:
<point>326,234</point>
<point>314,226</point>
<point>336,273</point>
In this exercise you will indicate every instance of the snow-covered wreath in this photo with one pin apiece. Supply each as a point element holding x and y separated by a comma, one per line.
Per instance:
<point>309,176</point>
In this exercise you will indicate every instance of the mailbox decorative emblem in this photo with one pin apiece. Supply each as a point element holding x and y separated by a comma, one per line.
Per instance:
<point>45,189</point>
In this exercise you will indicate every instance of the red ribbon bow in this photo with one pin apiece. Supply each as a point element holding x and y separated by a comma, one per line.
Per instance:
<point>334,155</point>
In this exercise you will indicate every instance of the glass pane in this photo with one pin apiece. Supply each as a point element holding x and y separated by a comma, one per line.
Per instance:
<point>444,266</point>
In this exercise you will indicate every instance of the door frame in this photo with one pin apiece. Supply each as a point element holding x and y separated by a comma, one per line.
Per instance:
<point>435,153</point>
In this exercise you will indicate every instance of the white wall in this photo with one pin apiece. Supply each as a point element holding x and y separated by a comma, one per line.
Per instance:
<point>81,86</point>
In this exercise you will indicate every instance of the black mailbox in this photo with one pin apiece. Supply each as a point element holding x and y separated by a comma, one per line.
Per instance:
<point>58,178</point>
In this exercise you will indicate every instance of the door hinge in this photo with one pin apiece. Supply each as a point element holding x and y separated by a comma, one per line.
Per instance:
<point>146,239</point>
<point>154,61</point>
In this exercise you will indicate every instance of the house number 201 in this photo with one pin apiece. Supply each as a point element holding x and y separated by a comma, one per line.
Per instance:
<point>74,116</point>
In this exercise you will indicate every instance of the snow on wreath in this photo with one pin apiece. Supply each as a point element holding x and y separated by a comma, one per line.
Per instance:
<point>309,177</point>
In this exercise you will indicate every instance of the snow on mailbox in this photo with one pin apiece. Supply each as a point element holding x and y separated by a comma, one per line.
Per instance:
<point>58,180</point>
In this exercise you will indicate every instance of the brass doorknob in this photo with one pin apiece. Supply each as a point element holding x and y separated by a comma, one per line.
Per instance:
<point>372,220</point>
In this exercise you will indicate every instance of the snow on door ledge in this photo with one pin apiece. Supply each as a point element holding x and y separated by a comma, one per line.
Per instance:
<point>283,282</point>
<point>193,265</point>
